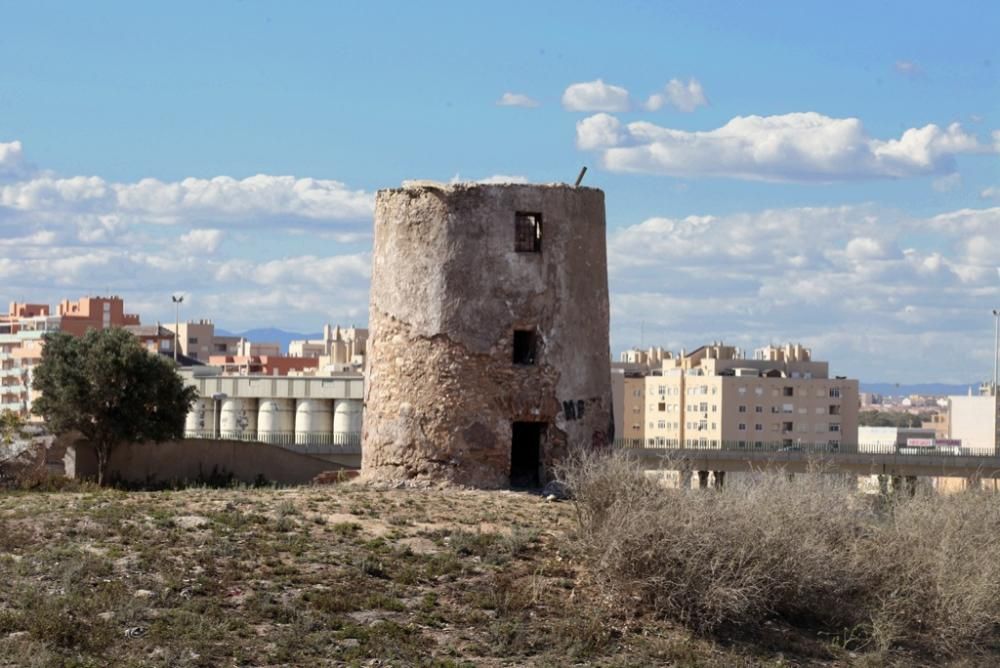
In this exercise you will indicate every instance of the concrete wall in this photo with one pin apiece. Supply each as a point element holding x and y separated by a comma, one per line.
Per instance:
<point>193,459</point>
<point>449,290</point>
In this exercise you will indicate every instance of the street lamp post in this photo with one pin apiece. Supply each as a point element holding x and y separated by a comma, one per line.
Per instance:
<point>996,347</point>
<point>177,300</point>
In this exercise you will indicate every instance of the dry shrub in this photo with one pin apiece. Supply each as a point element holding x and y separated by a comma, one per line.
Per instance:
<point>808,549</point>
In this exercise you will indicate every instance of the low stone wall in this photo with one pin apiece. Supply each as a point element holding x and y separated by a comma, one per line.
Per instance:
<point>192,460</point>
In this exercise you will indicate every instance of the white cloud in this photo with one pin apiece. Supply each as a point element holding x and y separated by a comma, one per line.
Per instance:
<point>11,159</point>
<point>595,96</point>
<point>201,240</point>
<point>509,99</point>
<point>834,278</point>
<point>598,131</point>
<point>993,192</point>
<point>682,96</point>
<point>792,147</point>
<point>64,236</point>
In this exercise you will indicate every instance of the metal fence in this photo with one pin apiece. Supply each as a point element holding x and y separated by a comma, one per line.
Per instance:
<point>317,442</point>
<point>819,449</point>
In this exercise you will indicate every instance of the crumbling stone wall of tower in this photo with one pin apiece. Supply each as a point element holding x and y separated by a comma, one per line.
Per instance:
<point>449,290</point>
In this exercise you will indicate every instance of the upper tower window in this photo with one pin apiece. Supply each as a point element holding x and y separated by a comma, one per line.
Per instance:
<point>527,232</point>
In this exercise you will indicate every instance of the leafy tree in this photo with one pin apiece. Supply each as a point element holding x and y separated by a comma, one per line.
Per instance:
<point>106,386</point>
<point>11,426</point>
<point>890,419</point>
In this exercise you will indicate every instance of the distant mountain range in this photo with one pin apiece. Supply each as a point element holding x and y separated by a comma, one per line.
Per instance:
<point>895,389</point>
<point>271,335</point>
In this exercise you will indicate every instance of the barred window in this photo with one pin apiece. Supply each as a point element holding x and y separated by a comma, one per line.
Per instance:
<point>527,232</point>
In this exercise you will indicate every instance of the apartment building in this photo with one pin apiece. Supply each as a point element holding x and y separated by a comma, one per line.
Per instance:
<point>975,419</point>
<point>77,317</point>
<point>779,397</point>
<point>197,339</point>
<point>340,349</point>
<point>22,333</point>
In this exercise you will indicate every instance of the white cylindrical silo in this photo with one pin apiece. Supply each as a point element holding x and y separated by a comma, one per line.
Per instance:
<point>200,420</point>
<point>238,418</point>
<point>276,420</point>
<point>313,420</point>
<point>346,421</point>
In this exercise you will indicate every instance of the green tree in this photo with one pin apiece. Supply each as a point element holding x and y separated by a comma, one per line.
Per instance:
<point>108,388</point>
<point>11,426</point>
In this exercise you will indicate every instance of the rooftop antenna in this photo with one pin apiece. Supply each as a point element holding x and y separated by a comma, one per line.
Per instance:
<point>583,170</point>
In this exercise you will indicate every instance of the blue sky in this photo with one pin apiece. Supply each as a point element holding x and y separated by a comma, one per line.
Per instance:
<point>773,171</point>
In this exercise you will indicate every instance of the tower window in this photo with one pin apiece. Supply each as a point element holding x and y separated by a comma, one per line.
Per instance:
<point>525,346</point>
<point>527,232</point>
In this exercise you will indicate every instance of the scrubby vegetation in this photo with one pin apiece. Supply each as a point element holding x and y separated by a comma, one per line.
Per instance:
<point>628,574</point>
<point>920,573</point>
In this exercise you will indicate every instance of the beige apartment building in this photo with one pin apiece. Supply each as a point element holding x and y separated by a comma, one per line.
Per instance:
<point>975,419</point>
<point>715,395</point>
<point>340,349</point>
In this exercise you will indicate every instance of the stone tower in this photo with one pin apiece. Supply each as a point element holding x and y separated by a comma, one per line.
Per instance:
<point>488,355</point>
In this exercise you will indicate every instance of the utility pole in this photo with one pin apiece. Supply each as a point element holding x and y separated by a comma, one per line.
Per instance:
<point>996,347</point>
<point>177,320</point>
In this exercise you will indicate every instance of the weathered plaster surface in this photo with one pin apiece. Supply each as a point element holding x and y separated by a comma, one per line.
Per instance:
<point>447,292</point>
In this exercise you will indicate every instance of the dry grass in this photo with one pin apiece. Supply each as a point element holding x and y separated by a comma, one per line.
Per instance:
<point>331,576</point>
<point>920,573</point>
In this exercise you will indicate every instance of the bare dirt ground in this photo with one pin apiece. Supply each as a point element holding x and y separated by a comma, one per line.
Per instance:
<point>327,576</point>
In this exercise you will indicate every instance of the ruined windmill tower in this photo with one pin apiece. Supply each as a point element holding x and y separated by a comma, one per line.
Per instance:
<point>488,356</point>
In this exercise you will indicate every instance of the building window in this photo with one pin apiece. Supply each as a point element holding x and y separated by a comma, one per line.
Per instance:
<point>662,406</point>
<point>662,424</point>
<point>834,426</point>
<point>758,409</point>
<point>743,409</point>
<point>704,407</point>
<point>758,427</point>
<point>525,344</point>
<point>835,393</point>
<point>788,391</point>
<point>527,232</point>
<point>192,339</point>
<point>758,391</point>
<point>742,426</point>
<point>834,409</point>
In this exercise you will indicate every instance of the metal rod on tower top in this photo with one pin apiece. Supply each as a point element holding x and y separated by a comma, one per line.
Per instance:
<point>579,178</point>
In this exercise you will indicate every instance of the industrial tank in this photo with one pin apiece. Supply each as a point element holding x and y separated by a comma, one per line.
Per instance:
<point>346,420</point>
<point>200,420</point>
<point>238,418</point>
<point>276,420</point>
<point>313,420</point>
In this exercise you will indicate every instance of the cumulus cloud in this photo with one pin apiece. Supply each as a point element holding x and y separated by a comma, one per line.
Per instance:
<point>595,96</point>
<point>12,162</point>
<point>681,96</point>
<point>63,236</point>
<point>509,99</point>
<point>201,240</point>
<point>868,288</point>
<point>598,131</point>
<point>791,147</point>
